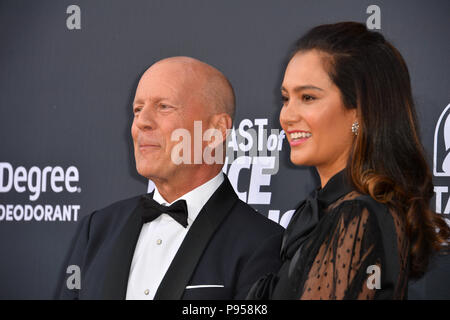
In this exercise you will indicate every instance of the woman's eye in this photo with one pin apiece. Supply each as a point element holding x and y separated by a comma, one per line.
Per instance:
<point>284,99</point>
<point>307,97</point>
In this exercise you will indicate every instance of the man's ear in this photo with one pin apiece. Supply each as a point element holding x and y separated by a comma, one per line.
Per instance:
<point>222,122</point>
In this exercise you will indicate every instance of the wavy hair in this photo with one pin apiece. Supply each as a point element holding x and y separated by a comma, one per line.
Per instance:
<point>387,161</point>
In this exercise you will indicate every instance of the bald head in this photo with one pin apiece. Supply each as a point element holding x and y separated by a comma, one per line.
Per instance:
<point>202,80</point>
<point>172,98</point>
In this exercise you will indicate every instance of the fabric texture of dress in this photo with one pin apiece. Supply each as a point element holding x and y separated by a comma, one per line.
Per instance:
<point>337,243</point>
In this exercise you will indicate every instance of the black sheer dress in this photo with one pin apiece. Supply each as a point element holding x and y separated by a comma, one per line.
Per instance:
<point>330,248</point>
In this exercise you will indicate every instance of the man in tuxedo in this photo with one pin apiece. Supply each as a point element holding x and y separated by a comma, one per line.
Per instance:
<point>192,238</point>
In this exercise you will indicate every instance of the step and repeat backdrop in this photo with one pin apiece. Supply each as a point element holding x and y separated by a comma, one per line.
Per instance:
<point>68,74</point>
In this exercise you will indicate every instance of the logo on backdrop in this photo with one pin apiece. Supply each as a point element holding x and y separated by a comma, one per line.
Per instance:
<point>441,154</point>
<point>33,183</point>
<point>441,162</point>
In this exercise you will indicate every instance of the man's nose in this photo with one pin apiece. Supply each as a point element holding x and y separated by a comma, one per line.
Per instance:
<point>146,118</point>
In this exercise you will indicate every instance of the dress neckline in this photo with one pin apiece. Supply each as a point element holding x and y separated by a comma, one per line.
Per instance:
<point>337,187</point>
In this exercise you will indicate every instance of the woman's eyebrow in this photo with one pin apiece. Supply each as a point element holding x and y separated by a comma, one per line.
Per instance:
<point>300,88</point>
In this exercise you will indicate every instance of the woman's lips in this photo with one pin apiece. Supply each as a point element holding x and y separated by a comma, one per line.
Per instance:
<point>298,137</point>
<point>297,142</point>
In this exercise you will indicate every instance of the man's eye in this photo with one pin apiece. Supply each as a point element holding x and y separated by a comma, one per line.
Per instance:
<point>284,99</point>
<point>136,110</point>
<point>164,107</point>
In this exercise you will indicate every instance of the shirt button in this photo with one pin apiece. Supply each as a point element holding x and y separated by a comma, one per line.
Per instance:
<point>158,242</point>
<point>146,292</point>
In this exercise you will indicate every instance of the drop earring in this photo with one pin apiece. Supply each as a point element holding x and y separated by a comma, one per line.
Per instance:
<point>355,128</point>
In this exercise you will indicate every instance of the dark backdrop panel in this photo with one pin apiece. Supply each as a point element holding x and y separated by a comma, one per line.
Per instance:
<point>66,101</point>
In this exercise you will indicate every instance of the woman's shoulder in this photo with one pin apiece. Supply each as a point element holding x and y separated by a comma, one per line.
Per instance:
<point>358,205</point>
<point>361,206</point>
<point>358,202</point>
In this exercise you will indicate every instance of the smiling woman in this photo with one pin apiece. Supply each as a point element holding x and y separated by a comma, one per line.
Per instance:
<point>314,116</point>
<point>348,111</point>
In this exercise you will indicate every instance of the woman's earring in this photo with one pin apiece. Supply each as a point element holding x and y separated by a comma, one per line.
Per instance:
<point>355,128</point>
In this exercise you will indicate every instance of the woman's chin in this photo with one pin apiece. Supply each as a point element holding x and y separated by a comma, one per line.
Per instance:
<point>299,161</point>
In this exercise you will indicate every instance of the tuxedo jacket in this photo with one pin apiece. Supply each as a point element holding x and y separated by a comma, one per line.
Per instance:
<point>229,245</point>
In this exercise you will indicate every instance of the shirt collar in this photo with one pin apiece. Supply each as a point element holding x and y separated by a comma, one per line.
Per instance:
<point>196,198</point>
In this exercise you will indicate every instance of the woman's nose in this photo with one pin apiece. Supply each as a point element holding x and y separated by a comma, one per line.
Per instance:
<point>289,114</point>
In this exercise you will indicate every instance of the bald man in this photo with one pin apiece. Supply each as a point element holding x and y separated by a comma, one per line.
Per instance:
<point>192,238</point>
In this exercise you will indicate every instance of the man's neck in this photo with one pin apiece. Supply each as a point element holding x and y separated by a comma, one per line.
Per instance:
<point>173,189</point>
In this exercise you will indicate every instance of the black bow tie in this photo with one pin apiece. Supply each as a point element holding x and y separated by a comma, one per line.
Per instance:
<point>177,210</point>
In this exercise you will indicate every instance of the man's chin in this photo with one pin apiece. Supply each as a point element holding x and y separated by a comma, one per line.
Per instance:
<point>146,172</point>
<point>152,173</point>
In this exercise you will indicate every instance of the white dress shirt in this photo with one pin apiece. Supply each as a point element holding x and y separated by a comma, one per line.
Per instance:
<point>160,240</point>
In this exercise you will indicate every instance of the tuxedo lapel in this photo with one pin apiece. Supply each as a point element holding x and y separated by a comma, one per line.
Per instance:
<point>118,267</point>
<point>185,261</point>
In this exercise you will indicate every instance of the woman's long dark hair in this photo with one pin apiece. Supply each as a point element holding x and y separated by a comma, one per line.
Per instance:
<point>387,160</point>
